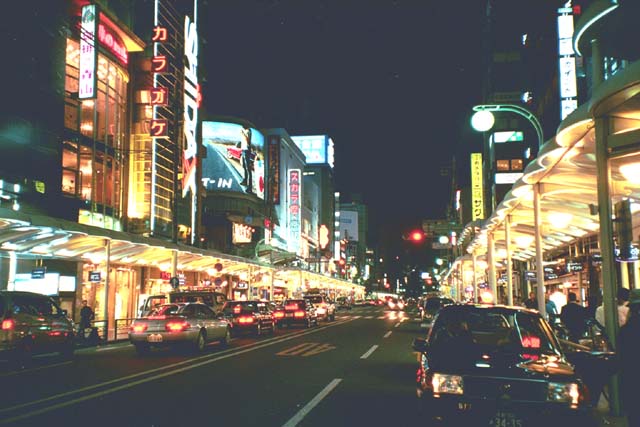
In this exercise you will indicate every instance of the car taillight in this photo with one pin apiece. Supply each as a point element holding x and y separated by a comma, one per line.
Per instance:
<point>298,313</point>
<point>138,328</point>
<point>8,324</point>
<point>245,319</point>
<point>278,314</point>
<point>176,326</point>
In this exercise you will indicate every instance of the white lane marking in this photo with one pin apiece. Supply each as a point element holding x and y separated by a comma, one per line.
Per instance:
<point>387,334</point>
<point>368,353</point>
<point>220,356</point>
<point>396,325</point>
<point>39,368</point>
<point>381,318</point>
<point>312,404</point>
<point>109,348</point>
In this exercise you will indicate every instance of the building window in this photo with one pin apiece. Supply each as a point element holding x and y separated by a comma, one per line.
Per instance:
<point>502,165</point>
<point>517,164</point>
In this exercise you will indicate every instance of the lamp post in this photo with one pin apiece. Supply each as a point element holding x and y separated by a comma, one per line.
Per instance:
<point>482,121</point>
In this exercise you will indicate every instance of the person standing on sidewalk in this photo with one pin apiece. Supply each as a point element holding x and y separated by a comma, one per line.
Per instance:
<point>86,316</point>
<point>629,355</point>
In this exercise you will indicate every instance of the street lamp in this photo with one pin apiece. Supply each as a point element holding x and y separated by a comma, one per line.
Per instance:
<point>483,120</point>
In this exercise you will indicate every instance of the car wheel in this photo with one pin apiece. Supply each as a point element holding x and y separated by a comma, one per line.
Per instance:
<point>200,342</point>
<point>226,339</point>
<point>141,348</point>
<point>258,329</point>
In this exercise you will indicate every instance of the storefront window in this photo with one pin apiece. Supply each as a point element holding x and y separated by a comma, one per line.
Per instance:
<point>96,173</point>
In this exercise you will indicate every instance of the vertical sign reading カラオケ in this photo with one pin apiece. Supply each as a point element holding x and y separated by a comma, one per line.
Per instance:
<point>477,192</point>
<point>191,103</point>
<point>294,209</point>
<point>88,52</point>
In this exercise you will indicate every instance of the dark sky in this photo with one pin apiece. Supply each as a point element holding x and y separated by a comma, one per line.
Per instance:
<point>392,82</point>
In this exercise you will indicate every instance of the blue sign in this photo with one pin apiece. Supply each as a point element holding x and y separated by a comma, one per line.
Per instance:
<point>318,149</point>
<point>38,273</point>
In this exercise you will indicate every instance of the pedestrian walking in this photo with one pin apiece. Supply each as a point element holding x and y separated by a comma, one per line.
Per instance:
<point>628,355</point>
<point>574,317</point>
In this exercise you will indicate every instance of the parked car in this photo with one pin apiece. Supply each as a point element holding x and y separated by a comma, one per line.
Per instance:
<point>325,308</point>
<point>33,324</point>
<point>249,316</point>
<point>181,324</point>
<point>431,305</point>
<point>297,312</point>
<point>503,366</point>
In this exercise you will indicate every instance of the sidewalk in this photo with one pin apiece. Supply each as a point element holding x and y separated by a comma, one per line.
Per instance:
<point>604,419</point>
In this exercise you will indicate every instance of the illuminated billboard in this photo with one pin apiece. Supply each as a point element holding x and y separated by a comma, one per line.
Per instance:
<point>227,167</point>
<point>318,149</point>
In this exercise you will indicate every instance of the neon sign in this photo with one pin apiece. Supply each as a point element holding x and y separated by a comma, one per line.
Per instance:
<point>111,42</point>
<point>190,106</point>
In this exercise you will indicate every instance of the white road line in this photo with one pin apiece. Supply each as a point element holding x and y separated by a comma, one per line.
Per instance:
<point>368,353</point>
<point>396,325</point>
<point>110,348</point>
<point>312,404</point>
<point>381,317</point>
<point>387,334</point>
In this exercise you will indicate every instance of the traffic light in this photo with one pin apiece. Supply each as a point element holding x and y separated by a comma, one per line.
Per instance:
<point>416,236</point>
<point>623,228</point>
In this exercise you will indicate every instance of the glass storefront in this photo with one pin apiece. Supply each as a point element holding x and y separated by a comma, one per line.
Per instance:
<point>93,149</point>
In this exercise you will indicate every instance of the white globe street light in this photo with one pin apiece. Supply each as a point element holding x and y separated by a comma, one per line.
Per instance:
<point>482,120</point>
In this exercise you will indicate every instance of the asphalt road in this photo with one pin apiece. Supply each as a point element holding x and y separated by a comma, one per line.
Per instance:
<point>357,370</point>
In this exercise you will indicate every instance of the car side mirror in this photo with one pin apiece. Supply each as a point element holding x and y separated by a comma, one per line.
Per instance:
<point>420,345</point>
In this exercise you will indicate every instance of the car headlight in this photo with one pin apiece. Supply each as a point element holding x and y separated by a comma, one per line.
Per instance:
<point>563,392</point>
<point>450,384</point>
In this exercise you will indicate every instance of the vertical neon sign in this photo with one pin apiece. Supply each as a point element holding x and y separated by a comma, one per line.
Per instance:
<point>88,52</point>
<point>191,100</point>
<point>294,207</point>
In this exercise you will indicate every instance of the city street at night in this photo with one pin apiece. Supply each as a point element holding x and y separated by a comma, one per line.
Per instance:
<point>357,370</point>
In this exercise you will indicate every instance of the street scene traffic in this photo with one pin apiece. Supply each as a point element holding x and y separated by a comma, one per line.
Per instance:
<point>320,213</point>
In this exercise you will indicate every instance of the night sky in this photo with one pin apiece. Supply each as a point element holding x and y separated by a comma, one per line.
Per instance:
<point>391,81</point>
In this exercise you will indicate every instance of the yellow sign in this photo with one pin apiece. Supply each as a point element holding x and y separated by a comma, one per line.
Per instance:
<point>477,191</point>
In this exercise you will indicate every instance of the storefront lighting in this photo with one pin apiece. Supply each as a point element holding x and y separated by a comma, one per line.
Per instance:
<point>524,241</point>
<point>631,172</point>
<point>559,219</point>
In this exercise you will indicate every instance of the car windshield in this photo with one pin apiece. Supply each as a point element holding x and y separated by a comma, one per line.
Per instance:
<point>498,329</point>
<point>239,307</point>
<point>316,299</point>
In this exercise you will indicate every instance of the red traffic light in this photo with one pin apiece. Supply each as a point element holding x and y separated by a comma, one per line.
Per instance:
<point>416,236</point>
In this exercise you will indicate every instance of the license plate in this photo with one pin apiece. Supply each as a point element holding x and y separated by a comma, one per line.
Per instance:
<point>505,419</point>
<point>154,338</point>
<point>289,314</point>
